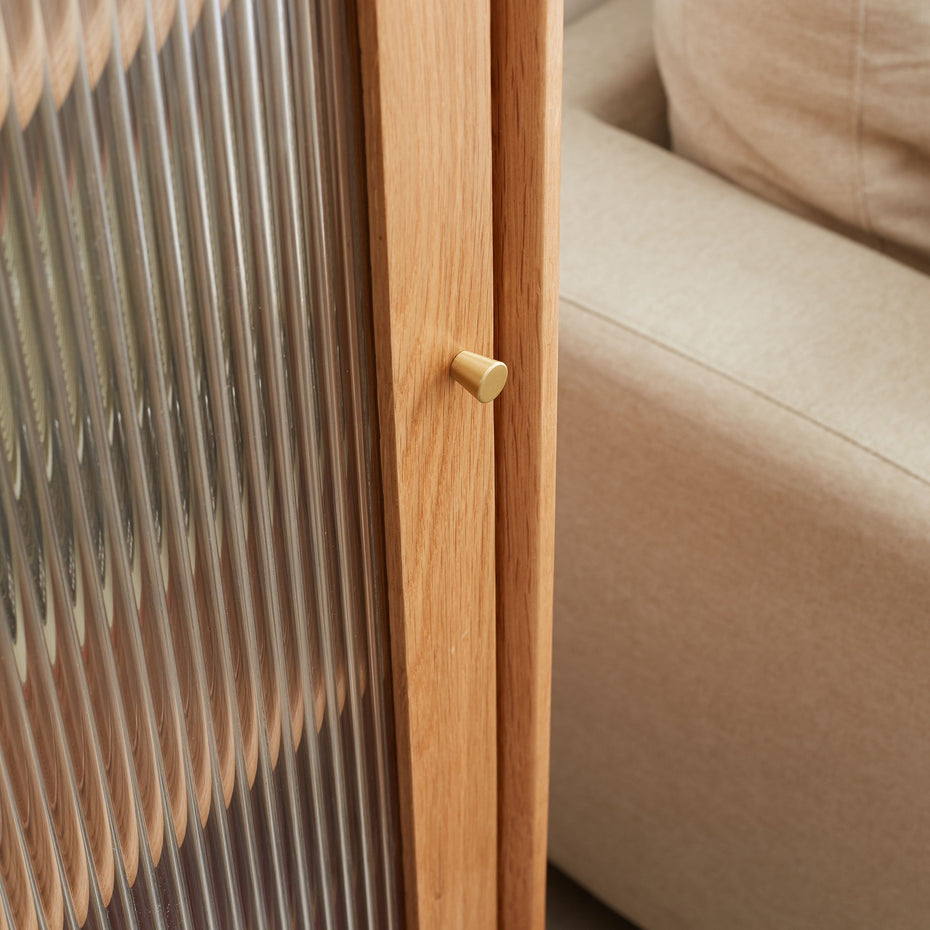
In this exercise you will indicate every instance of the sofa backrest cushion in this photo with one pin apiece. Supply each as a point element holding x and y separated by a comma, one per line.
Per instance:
<point>823,107</point>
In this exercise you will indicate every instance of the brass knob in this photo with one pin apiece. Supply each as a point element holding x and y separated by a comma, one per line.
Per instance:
<point>481,376</point>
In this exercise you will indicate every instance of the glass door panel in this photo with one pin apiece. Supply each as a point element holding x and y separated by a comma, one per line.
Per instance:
<point>195,726</point>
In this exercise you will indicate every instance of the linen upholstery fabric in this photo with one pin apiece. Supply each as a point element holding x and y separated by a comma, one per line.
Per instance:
<point>740,701</point>
<point>822,107</point>
<point>610,69</point>
<point>574,9</point>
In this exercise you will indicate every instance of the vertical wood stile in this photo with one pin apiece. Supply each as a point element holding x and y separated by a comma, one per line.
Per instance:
<point>526,54</point>
<point>426,89</point>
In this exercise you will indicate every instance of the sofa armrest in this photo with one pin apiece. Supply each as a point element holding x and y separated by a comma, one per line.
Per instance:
<point>740,643</point>
<point>819,323</point>
<point>610,69</point>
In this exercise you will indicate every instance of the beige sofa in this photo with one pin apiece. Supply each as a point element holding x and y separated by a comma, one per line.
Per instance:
<point>741,691</point>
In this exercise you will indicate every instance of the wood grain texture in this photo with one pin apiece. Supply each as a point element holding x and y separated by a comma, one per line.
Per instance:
<point>426,88</point>
<point>526,48</point>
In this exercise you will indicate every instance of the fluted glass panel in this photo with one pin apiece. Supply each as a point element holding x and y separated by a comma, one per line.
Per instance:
<point>195,724</point>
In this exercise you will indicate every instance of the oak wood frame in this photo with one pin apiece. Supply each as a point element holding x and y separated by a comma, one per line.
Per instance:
<point>526,77</point>
<point>427,102</point>
<point>473,799</point>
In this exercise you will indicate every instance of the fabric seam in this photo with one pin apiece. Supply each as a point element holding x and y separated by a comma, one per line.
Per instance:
<point>739,382</point>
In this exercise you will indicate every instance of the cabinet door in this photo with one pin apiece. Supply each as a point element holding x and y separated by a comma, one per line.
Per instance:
<point>426,78</point>
<point>462,128</point>
<point>194,717</point>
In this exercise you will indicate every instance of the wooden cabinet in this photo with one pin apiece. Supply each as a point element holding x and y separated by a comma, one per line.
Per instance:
<point>210,212</point>
<point>462,105</point>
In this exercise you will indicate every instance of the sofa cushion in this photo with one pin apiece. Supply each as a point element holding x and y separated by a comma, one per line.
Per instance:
<point>822,107</point>
<point>611,71</point>
<point>740,705</point>
<point>574,9</point>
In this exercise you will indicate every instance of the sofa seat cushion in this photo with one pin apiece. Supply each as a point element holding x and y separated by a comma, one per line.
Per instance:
<point>742,628</point>
<point>823,107</point>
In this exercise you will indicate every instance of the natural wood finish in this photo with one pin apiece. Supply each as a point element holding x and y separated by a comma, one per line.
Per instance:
<point>426,88</point>
<point>526,41</point>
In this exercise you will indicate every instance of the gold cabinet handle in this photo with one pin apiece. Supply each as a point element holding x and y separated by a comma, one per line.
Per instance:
<point>481,376</point>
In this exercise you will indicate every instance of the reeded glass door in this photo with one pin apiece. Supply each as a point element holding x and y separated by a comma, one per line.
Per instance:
<point>194,682</point>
